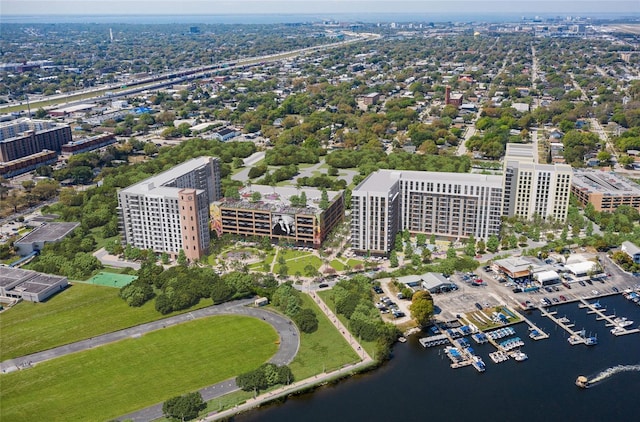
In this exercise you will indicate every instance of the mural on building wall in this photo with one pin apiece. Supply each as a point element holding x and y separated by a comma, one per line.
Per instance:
<point>283,225</point>
<point>216,219</point>
<point>317,231</point>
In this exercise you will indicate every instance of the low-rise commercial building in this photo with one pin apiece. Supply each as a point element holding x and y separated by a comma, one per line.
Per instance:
<point>35,240</point>
<point>605,191</point>
<point>28,285</point>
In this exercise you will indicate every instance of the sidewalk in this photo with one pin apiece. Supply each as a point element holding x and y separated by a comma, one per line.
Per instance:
<point>309,382</point>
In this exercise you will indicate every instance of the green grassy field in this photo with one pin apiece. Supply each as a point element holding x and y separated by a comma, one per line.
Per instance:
<point>80,312</point>
<point>324,349</point>
<point>298,264</point>
<point>337,265</point>
<point>118,378</point>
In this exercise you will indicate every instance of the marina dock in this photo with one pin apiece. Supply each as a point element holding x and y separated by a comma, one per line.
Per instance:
<point>534,332</point>
<point>610,319</point>
<point>575,337</point>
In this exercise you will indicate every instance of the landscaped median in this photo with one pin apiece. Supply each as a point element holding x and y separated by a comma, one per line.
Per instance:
<point>118,378</point>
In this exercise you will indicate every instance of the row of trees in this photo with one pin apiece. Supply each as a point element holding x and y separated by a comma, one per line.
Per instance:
<point>353,299</point>
<point>288,300</point>
<point>267,375</point>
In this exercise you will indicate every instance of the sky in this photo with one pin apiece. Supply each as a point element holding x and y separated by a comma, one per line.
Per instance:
<point>328,7</point>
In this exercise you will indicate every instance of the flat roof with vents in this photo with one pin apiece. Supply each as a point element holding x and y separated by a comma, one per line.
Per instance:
<point>603,182</point>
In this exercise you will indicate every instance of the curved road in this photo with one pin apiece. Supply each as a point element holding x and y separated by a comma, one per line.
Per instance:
<point>287,331</point>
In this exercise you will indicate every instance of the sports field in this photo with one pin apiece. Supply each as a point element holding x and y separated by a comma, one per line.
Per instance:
<point>77,313</point>
<point>119,378</point>
<point>111,279</point>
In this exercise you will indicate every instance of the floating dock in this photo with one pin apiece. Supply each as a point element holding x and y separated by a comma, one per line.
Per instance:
<point>611,319</point>
<point>534,332</point>
<point>575,337</point>
<point>432,341</point>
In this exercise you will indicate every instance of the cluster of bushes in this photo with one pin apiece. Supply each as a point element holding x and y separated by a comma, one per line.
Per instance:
<point>182,287</point>
<point>625,262</point>
<point>184,408</point>
<point>353,299</point>
<point>70,257</point>
<point>323,181</point>
<point>289,301</point>
<point>267,375</point>
<point>280,174</point>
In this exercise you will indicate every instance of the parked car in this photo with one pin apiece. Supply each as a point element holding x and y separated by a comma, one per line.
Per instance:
<point>479,306</point>
<point>615,289</point>
<point>323,285</point>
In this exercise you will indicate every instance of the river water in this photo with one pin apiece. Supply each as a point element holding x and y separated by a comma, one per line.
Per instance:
<point>418,384</point>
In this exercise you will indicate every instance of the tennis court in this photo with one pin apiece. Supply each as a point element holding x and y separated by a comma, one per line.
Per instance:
<point>111,279</point>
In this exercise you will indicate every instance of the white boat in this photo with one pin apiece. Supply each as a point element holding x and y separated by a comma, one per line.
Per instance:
<point>622,322</point>
<point>617,330</point>
<point>519,356</point>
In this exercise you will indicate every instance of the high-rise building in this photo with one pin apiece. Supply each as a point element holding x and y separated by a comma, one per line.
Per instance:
<point>455,205</point>
<point>534,189</point>
<point>375,209</point>
<point>169,212</point>
<point>23,137</point>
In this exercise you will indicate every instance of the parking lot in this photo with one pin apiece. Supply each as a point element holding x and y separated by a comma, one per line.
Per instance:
<point>492,292</point>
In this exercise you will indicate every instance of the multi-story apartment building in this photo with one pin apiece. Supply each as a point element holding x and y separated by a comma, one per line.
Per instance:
<point>24,137</point>
<point>451,204</point>
<point>534,189</point>
<point>271,212</point>
<point>605,191</point>
<point>169,212</point>
<point>454,205</point>
<point>375,209</point>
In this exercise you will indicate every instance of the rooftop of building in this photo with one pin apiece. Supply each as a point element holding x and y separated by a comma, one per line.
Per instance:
<point>382,180</point>
<point>278,199</point>
<point>27,280</point>
<point>49,232</point>
<point>519,152</point>
<point>603,182</point>
<point>155,184</point>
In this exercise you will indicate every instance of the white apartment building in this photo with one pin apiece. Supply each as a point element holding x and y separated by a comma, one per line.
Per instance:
<point>446,204</point>
<point>375,208</point>
<point>169,212</point>
<point>450,204</point>
<point>534,189</point>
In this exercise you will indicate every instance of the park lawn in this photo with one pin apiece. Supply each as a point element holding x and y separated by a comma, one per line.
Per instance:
<point>298,265</point>
<point>292,253</point>
<point>324,349</point>
<point>353,262</point>
<point>128,375</point>
<point>327,297</point>
<point>337,265</point>
<point>75,314</point>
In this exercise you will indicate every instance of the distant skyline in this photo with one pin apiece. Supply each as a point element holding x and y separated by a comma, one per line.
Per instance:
<point>327,8</point>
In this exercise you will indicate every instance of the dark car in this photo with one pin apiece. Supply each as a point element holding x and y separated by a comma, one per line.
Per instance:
<point>479,306</point>
<point>555,300</point>
<point>323,285</point>
<point>581,283</point>
<point>615,289</point>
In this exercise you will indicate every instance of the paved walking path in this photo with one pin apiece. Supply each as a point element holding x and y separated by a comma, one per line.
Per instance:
<point>308,382</point>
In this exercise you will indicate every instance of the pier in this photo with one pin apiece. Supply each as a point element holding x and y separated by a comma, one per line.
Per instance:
<point>575,337</point>
<point>610,319</point>
<point>535,332</point>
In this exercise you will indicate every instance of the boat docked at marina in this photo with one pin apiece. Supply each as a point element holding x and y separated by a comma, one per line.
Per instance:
<point>622,322</point>
<point>519,356</point>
